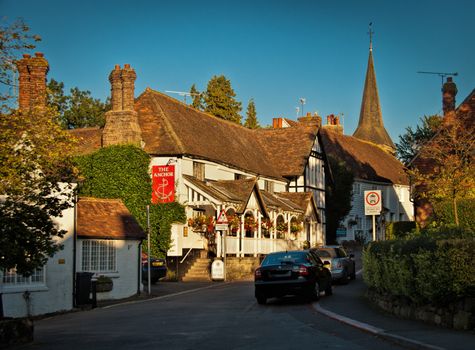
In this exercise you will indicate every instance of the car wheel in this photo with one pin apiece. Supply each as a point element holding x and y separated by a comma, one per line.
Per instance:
<point>329,289</point>
<point>344,278</point>
<point>261,300</point>
<point>353,274</point>
<point>315,293</point>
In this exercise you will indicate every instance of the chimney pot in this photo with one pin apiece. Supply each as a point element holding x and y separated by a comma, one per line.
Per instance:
<point>117,67</point>
<point>126,66</point>
<point>25,55</point>
<point>39,54</point>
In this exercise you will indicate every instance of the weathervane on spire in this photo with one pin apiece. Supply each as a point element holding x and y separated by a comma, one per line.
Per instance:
<point>371,32</point>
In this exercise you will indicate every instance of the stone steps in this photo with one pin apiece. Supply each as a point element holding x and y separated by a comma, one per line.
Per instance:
<point>199,271</point>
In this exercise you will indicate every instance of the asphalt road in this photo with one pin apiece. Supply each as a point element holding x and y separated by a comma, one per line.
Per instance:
<point>225,316</point>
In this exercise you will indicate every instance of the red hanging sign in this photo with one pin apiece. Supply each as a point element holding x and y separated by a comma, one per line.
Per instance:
<point>163,184</point>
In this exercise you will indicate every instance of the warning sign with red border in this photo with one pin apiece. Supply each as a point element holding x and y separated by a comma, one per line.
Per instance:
<point>372,202</point>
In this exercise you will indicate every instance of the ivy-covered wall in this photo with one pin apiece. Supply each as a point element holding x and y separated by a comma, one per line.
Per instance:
<point>123,172</point>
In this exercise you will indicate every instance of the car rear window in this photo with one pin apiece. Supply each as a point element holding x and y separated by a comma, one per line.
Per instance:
<point>326,253</point>
<point>287,257</point>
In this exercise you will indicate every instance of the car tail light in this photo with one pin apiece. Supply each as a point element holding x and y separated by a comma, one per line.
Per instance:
<point>303,270</point>
<point>258,274</point>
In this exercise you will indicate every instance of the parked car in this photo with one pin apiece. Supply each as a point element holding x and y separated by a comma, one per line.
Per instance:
<point>342,265</point>
<point>299,272</point>
<point>158,270</point>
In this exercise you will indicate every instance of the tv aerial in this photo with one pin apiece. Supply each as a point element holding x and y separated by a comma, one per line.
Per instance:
<point>302,101</point>
<point>182,93</point>
<point>440,74</point>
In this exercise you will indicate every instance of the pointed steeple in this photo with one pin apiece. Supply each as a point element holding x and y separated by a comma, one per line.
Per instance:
<point>371,126</point>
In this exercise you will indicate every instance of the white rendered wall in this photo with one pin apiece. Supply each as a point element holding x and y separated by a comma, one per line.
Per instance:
<point>57,293</point>
<point>125,278</point>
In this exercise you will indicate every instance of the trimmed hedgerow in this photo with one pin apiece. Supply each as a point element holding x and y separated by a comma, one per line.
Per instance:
<point>444,213</point>
<point>399,229</point>
<point>123,172</point>
<point>424,269</point>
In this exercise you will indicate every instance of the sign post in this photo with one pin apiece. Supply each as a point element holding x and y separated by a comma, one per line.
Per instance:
<point>372,206</point>
<point>149,284</point>
<point>222,225</point>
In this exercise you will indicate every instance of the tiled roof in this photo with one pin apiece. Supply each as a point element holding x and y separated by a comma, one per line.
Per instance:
<point>89,139</point>
<point>289,148</point>
<point>239,191</point>
<point>106,219</point>
<point>367,161</point>
<point>228,191</point>
<point>170,127</point>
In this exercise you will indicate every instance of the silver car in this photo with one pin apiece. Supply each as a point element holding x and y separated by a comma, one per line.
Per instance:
<point>342,264</point>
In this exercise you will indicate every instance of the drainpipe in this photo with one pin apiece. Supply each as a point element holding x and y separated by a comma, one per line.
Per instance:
<point>139,274</point>
<point>74,248</point>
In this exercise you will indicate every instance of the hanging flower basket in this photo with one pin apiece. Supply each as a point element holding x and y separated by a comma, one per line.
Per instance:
<point>295,228</point>
<point>249,223</point>
<point>234,223</point>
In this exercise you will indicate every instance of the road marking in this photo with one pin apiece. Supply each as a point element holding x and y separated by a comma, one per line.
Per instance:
<point>161,297</point>
<point>375,330</point>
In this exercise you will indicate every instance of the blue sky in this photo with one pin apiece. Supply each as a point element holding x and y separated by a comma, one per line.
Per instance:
<point>273,51</point>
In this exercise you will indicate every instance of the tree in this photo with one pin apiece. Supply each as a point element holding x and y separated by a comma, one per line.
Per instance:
<point>14,38</point>
<point>34,182</point>
<point>33,174</point>
<point>251,121</point>
<point>219,99</point>
<point>56,97</point>
<point>445,168</point>
<point>77,110</point>
<point>411,142</point>
<point>197,98</point>
<point>338,196</point>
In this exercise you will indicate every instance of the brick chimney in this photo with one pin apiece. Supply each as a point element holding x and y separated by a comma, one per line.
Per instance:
<point>333,123</point>
<point>128,86</point>
<point>311,119</point>
<point>449,91</point>
<point>122,125</point>
<point>116,89</point>
<point>32,80</point>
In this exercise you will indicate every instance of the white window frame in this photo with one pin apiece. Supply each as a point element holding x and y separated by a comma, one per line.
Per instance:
<point>13,282</point>
<point>98,256</point>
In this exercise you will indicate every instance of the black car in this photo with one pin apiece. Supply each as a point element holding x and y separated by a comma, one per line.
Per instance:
<point>158,270</point>
<point>298,272</point>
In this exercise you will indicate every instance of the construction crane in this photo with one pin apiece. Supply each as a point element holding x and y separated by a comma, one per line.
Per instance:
<point>182,93</point>
<point>441,75</point>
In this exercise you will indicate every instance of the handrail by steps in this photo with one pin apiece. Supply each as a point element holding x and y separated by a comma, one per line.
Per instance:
<point>188,252</point>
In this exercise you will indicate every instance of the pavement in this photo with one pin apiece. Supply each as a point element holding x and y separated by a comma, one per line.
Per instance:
<point>349,306</point>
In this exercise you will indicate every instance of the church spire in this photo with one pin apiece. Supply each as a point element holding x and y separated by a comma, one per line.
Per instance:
<point>370,126</point>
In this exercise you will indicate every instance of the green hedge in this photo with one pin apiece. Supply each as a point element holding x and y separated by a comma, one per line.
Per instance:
<point>399,229</point>
<point>444,213</point>
<point>123,172</point>
<point>424,269</point>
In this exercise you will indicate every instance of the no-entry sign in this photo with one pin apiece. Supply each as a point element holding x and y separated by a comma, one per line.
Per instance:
<point>372,202</point>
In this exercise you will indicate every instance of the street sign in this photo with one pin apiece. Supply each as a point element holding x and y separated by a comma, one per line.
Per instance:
<point>221,227</point>
<point>222,218</point>
<point>372,202</point>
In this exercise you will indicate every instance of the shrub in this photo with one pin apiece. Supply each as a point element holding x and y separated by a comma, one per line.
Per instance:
<point>399,229</point>
<point>123,172</point>
<point>425,269</point>
<point>444,214</point>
